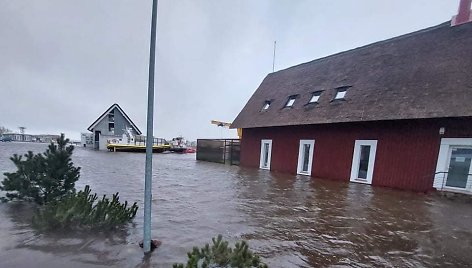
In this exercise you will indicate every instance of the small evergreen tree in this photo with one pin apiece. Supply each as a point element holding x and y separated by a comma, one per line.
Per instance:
<point>84,210</point>
<point>42,178</point>
<point>221,255</point>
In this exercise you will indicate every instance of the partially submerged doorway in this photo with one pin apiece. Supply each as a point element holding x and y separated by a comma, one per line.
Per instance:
<point>454,167</point>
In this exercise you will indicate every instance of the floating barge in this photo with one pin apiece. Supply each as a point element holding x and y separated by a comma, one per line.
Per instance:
<point>137,148</point>
<point>129,143</point>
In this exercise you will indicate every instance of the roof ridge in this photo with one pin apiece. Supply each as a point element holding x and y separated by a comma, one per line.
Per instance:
<point>424,76</point>
<point>122,112</point>
<point>367,46</point>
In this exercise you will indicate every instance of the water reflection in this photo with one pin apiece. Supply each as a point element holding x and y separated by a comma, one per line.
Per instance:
<point>293,221</point>
<point>97,248</point>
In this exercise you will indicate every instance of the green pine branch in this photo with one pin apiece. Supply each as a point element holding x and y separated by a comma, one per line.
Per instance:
<point>219,254</point>
<point>82,211</point>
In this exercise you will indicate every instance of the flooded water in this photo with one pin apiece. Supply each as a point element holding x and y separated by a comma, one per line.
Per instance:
<point>291,221</point>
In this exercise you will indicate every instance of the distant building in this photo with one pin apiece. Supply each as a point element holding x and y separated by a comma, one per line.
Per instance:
<point>45,138</point>
<point>11,137</point>
<point>86,140</point>
<point>18,137</point>
<point>111,124</point>
<point>395,113</point>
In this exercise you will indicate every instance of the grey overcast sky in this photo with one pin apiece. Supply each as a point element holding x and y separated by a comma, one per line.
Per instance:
<point>64,62</point>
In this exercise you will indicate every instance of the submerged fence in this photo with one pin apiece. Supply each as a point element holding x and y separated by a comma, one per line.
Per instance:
<point>224,151</point>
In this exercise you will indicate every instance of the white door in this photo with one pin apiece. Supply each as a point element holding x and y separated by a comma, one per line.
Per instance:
<point>305,157</point>
<point>453,167</point>
<point>266,152</point>
<point>459,173</point>
<point>363,161</point>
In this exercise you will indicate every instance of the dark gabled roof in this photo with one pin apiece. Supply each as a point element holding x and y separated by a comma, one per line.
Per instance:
<point>90,128</point>
<point>425,74</point>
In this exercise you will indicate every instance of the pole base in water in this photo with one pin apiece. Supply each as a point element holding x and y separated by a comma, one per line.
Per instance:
<point>154,244</point>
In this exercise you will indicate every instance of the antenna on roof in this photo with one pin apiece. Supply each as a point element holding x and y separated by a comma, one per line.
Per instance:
<point>273,60</point>
<point>22,130</point>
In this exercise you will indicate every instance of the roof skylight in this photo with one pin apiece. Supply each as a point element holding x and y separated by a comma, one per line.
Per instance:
<point>315,97</point>
<point>290,101</point>
<point>266,105</point>
<point>341,93</point>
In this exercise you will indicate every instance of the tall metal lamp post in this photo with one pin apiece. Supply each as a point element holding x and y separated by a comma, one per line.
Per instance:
<point>149,135</point>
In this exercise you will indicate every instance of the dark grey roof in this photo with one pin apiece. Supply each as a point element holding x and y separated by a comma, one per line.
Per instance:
<point>136,129</point>
<point>425,74</point>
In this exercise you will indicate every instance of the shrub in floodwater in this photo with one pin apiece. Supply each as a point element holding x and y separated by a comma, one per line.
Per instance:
<point>82,211</point>
<point>221,255</point>
<point>42,177</point>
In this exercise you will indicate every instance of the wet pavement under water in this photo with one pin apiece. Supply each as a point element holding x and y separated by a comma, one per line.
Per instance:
<point>291,221</point>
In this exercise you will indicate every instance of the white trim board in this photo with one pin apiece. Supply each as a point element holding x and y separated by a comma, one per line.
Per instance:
<point>356,161</point>
<point>269,158</point>
<point>443,162</point>
<point>310,157</point>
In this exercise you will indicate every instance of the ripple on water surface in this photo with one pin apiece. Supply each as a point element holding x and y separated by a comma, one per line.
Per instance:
<point>292,221</point>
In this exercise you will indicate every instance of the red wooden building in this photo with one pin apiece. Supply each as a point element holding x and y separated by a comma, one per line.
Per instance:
<point>396,113</point>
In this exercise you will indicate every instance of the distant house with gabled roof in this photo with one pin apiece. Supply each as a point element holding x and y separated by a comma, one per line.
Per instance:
<point>395,113</point>
<point>111,124</point>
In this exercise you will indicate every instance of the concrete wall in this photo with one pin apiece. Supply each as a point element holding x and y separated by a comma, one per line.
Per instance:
<point>86,140</point>
<point>104,141</point>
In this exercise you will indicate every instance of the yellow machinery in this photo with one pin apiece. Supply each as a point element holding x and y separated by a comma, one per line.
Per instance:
<point>221,124</point>
<point>227,125</point>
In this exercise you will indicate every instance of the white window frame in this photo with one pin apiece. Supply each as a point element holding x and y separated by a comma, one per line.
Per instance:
<point>443,164</point>
<point>266,105</point>
<point>300,157</point>
<point>261,159</point>
<point>340,94</point>
<point>356,158</point>
<point>290,102</point>
<point>315,98</point>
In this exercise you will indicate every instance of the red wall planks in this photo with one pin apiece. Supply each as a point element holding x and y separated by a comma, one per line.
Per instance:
<point>406,155</point>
